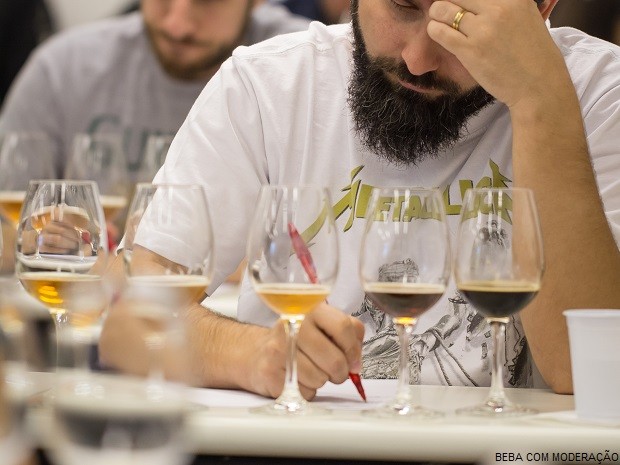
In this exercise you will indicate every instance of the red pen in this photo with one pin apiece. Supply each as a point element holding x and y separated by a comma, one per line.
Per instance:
<point>304,256</point>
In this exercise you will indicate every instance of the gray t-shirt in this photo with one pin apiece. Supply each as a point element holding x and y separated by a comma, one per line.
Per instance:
<point>104,77</point>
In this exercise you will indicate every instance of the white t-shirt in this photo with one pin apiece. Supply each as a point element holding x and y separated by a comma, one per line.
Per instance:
<point>277,114</point>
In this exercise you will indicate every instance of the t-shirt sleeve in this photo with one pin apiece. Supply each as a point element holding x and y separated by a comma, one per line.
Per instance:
<point>220,146</point>
<point>602,121</point>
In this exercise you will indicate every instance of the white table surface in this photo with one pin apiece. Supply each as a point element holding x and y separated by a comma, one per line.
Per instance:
<point>225,427</point>
<point>220,423</point>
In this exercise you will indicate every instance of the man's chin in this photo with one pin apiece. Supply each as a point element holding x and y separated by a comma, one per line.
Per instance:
<point>185,73</point>
<point>182,67</point>
<point>186,70</point>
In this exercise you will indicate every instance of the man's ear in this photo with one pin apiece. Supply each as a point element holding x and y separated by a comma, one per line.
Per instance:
<point>546,7</point>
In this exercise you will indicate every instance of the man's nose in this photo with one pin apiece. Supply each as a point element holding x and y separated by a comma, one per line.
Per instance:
<point>179,20</point>
<point>422,54</point>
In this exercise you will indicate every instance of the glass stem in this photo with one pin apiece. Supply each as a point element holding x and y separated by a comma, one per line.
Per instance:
<point>63,343</point>
<point>291,394</point>
<point>403,393</point>
<point>61,319</point>
<point>81,351</point>
<point>497,397</point>
<point>155,345</point>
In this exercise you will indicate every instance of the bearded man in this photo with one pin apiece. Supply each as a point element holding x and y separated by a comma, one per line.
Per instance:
<point>134,75</point>
<point>447,94</point>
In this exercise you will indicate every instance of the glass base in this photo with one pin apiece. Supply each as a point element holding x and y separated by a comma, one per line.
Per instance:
<point>401,410</point>
<point>290,408</point>
<point>495,410</point>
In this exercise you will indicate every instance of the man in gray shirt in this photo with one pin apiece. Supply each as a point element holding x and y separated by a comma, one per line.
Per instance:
<point>135,75</point>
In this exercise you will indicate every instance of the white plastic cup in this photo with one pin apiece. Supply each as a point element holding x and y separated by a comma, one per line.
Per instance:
<point>594,337</point>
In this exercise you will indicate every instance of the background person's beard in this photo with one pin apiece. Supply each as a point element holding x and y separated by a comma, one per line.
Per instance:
<point>197,70</point>
<point>399,124</point>
<point>205,66</point>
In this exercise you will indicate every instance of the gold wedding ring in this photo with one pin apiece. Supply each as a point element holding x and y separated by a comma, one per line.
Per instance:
<point>457,18</point>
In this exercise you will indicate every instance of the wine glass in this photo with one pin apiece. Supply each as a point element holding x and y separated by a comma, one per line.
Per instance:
<point>498,270</point>
<point>15,446</point>
<point>23,335</point>
<point>405,268</point>
<point>61,254</point>
<point>13,326</point>
<point>23,352</point>
<point>127,419</point>
<point>292,262</point>
<point>155,152</point>
<point>168,249</point>
<point>23,156</point>
<point>100,157</point>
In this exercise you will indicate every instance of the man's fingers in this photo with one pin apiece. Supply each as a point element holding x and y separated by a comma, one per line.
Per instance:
<point>57,242</point>
<point>58,238</point>
<point>58,227</point>
<point>307,393</point>
<point>324,352</point>
<point>329,347</point>
<point>310,376</point>
<point>270,365</point>
<point>452,15</point>
<point>345,331</point>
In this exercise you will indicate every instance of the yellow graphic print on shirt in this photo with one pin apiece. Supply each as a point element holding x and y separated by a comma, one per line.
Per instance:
<point>460,323</point>
<point>357,197</point>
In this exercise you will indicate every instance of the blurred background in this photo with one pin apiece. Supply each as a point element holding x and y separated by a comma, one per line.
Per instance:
<point>71,12</point>
<point>597,17</point>
<point>25,23</point>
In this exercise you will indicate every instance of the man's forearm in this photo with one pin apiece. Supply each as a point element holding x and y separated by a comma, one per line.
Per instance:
<point>220,348</point>
<point>550,156</point>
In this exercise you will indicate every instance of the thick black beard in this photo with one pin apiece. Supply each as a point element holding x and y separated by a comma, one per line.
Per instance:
<point>398,124</point>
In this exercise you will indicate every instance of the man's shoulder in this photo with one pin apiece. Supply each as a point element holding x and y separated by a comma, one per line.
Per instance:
<point>594,66</point>
<point>582,50</point>
<point>318,38</point>
<point>106,33</point>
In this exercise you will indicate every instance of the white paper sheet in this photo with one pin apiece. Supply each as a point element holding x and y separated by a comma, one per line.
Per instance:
<point>334,396</point>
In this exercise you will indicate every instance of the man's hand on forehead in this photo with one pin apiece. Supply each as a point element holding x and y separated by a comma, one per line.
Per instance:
<point>504,45</point>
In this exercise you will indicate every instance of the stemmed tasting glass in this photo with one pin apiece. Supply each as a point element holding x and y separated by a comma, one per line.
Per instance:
<point>12,347</point>
<point>292,262</point>
<point>22,341</point>
<point>61,254</point>
<point>155,152</point>
<point>405,268</point>
<point>14,445</point>
<point>100,157</point>
<point>129,419</point>
<point>168,251</point>
<point>498,270</point>
<point>23,156</point>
